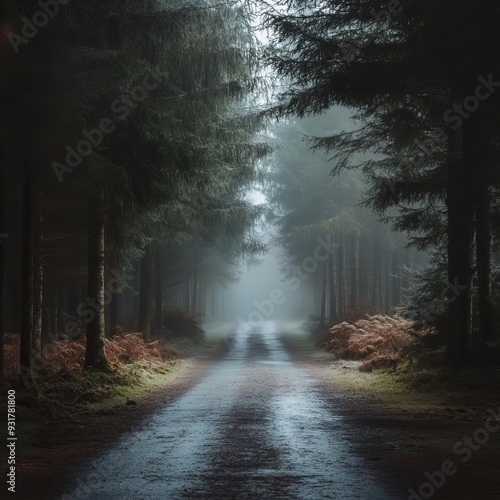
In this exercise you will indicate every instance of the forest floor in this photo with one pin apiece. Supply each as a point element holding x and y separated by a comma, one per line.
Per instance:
<point>269,417</point>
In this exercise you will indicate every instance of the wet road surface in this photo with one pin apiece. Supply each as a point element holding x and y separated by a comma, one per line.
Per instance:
<point>258,426</point>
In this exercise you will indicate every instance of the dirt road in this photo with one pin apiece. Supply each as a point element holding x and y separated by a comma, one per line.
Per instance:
<point>257,426</point>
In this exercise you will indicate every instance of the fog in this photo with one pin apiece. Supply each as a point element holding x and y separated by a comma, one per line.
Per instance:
<point>262,293</point>
<point>334,256</point>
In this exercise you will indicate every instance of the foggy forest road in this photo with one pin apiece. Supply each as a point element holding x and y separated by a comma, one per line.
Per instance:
<point>257,426</point>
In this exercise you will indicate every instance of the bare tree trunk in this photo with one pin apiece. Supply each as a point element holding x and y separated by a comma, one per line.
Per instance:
<point>60,303</point>
<point>388,282</point>
<point>322,320</point>
<point>53,311</point>
<point>146,293</point>
<point>363,272</point>
<point>408,270</point>
<point>27,269</point>
<point>341,279</point>
<point>158,294</point>
<point>194,303</point>
<point>460,239</point>
<point>483,257</point>
<point>136,284</point>
<point>95,356</point>
<point>72,298</point>
<point>333,290</point>
<point>483,243</point>
<point>3,246</point>
<point>355,271</point>
<point>377,276</point>
<point>396,279</point>
<point>187,291</point>
<point>36,341</point>
<point>202,301</point>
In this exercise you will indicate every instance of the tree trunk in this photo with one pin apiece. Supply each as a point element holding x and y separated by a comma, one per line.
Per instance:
<point>195,296</point>
<point>95,355</point>
<point>202,300</point>
<point>322,320</point>
<point>146,293</point>
<point>136,284</point>
<point>341,279</point>
<point>59,313</point>
<point>333,290</point>
<point>316,287</point>
<point>36,341</point>
<point>3,247</point>
<point>377,277</point>
<point>53,314</point>
<point>388,282</point>
<point>213,307</point>
<point>483,248</point>
<point>363,273</point>
<point>460,238</point>
<point>158,294</point>
<point>355,271</point>
<point>483,256</point>
<point>27,269</point>
<point>187,292</point>
<point>407,272</point>
<point>396,279</point>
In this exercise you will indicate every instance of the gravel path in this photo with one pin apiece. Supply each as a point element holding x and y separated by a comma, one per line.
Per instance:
<point>256,426</point>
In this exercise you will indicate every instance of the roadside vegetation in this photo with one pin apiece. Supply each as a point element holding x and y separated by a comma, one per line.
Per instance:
<point>63,386</point>
<point>386,357</point>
